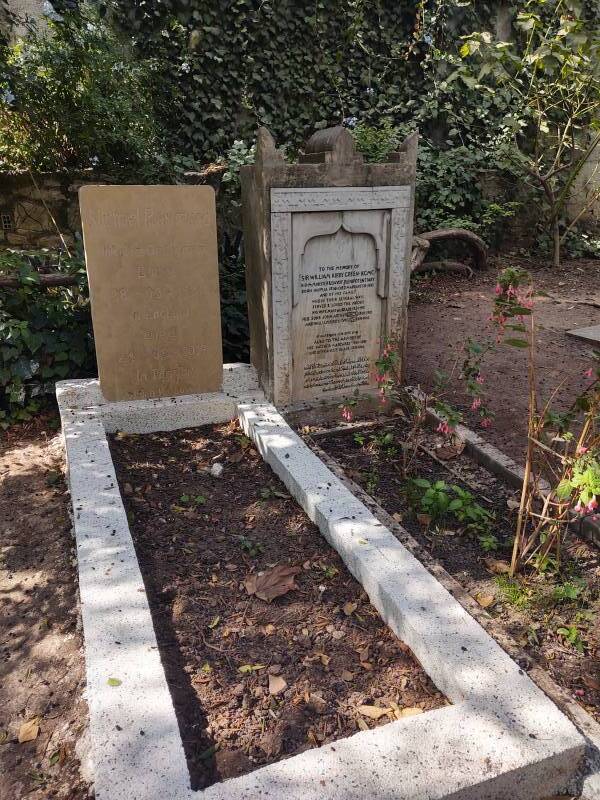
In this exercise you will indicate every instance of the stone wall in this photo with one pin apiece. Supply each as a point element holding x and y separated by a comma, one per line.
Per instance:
<point>33,210</point>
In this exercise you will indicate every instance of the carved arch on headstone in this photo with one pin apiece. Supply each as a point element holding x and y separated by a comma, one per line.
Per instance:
<point>310,226</point>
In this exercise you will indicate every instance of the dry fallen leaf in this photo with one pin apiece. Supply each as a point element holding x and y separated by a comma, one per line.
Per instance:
<point>451,450</point>
<point>591,682</point>
<point>269,629</point>
<point>272,583</point>
<point>513,504</point>
<point>397,517</point>
<point>350,608</point>
<point>485,600</point>
<point>247,669</point>
<point>276,684</point>
<point>29,730</point>
<point>424,519</point>
<point>362,724</point>
<point>373,712</point>
<point>411,712</point>
<point>346,675</point>
<point>497,566</point>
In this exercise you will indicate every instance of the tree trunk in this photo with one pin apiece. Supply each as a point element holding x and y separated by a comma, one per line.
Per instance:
<point>556,243</point>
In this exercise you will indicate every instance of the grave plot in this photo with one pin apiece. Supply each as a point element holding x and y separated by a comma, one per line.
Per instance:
<point>269,646</point>
<point>464,517</point>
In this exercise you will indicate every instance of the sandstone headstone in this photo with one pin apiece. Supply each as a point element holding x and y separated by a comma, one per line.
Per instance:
<point>328,245</point>
<point>151,256</point>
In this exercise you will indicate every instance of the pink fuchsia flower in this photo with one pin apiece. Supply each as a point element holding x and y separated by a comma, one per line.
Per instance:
<point>498,289</point>
<point>578,508</point>
<point>581,450</point>
<point>486,422</point>
<point>347,413</point>
<point>592,505</point>
<point>444,428</point>
<point>589,373</point>
<point>479,379</point>
<point>475,404</point>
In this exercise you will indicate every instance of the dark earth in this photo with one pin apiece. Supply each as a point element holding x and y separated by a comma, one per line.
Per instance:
<point>531,610</point>
<point>41,664</point>
<point>321,646</point>
<point>445,310</point>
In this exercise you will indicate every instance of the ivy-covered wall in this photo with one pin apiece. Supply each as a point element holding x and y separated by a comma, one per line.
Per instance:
<point>230,65</point>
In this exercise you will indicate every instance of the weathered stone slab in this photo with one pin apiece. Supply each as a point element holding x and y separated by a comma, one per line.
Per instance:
<point>590,335</point>
<point>151,255</point>
<point>328,246</point>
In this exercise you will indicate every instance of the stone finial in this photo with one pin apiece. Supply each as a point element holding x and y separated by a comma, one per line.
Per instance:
<point>266,151</point>
<point>408,149</point>
<point>331,145</point>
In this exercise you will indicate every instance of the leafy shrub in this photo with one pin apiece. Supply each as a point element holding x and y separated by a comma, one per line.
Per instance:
<point>440,501</point>
<point>376,144</point>
<point>74,97</point>
<point>45,334</point>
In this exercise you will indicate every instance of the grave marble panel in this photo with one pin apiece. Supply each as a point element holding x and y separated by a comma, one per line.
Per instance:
<point>338,296</point>
<point>151,257</point>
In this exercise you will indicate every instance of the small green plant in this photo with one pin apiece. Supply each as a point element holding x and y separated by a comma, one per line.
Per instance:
<point>372,480</point>
<point>384,442</point>
<point>269,493</point>
<point>250,546</point>
<point>513,591</point>
<point>433,499</point>
<point>440,500</point>
<point>329,571</point>
<point>195,500</point>
<point>488,542</point>
<point>359,438</point>
<point>468,512</point>
<point>572,635</point>
<point>569,591</point>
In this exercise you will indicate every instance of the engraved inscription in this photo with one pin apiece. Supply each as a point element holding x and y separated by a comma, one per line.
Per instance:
<point>337,317</point>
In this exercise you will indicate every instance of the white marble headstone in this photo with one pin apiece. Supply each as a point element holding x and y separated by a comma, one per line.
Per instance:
<point>340,278</point>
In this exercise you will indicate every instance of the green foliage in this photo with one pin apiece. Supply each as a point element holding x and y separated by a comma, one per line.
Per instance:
<point>440,500</point>
<point>572,636</point>
<point>513,591</point>
<point>45,334</point>
<point>376,144</point>
<point>568,591</point>
<point>250,546</point>
<point>583,484</point>
<point>488,542</point>
<point>73,97</point>
<point>551,68</point>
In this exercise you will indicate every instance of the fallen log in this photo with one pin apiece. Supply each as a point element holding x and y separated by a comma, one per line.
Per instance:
<point>45,281</point>
<point>475,244</point>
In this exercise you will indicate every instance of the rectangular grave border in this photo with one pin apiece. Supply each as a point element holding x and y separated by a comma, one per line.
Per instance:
<point>502,737</point>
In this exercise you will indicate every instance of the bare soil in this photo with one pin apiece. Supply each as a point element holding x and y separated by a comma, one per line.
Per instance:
<point>41,650</point>
<point>253,681</point>
<point>529,610</point>
<point>445,310</point>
